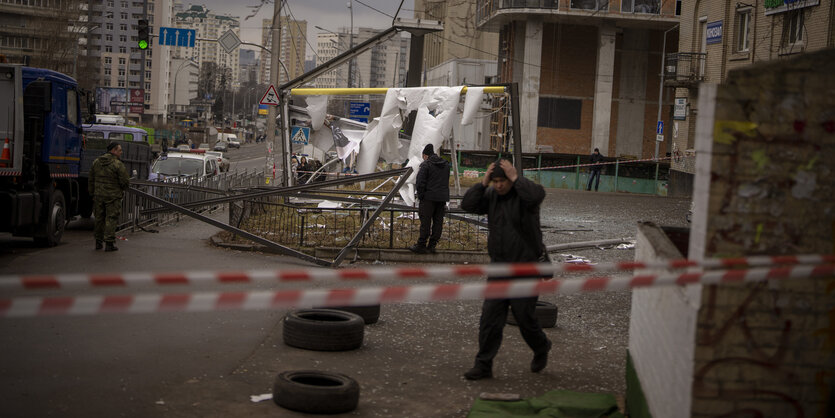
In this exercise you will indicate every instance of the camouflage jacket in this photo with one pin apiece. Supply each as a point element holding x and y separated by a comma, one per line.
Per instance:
<point>108,178</point>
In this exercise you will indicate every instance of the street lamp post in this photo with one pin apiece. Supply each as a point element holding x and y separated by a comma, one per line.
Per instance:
<point>176,76</point>
<point>351,46</point>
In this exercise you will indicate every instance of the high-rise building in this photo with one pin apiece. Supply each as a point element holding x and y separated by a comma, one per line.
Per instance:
<point>44,34</point>
<point>384,65</point>
<point>113,44</point>
<point>208,25</point>
<point>292,50</point>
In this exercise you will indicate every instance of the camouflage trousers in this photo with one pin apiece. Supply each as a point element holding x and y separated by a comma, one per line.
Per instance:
<point>107,214</point>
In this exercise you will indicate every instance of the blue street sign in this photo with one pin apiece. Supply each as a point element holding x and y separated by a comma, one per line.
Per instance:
<point>300,135</point>
<point>714,32</point>
<point>177,36</point>
<point>359,111</point>
<point>660,128</point>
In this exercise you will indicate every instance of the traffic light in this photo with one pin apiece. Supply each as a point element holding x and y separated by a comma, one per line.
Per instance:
<point>144,34</point>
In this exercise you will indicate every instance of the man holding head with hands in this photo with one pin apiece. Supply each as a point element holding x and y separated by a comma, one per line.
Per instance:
<point>511,203</point>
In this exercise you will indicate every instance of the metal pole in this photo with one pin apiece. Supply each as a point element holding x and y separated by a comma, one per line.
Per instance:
<point>274,78</point>
<point>351,46</point>
<point>661,85</point>
<point>517,128</point>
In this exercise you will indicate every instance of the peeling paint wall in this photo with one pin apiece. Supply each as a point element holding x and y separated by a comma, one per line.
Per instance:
<point>768,349</point>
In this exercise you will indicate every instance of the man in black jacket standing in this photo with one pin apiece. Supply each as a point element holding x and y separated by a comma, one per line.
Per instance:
<point>512,207</point>
<point>432,186</point>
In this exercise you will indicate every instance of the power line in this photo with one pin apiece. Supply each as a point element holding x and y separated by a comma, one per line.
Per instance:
<point>378,11</point>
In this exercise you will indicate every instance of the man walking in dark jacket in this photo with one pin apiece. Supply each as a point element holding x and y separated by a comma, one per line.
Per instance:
<point>108,182</point>
<point>594,173</point>
<point>432,186</point>
<point>512,207</point>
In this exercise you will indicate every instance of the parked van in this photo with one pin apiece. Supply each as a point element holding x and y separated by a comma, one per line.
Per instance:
<point>178,166</point>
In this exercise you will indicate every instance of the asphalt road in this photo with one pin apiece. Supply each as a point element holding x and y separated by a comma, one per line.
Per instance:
<point>209,364</point>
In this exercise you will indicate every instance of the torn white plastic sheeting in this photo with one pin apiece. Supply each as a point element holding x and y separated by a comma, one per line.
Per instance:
<point>259,398</point>
<point>370,150</point>
<point>626,246</point>
<point>575,259</point>
<point>472,103</point>
<point>327,204</point>
<point>317,106</point>
<point>345,148</point>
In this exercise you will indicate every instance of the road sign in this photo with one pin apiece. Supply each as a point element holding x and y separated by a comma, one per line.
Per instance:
<point>229,41</point>
<point>177,36</point>
<point>359,111</point>
<point>659,138</point>
<point>300,135</point>
<point>270,97</point>
<point>659,129</point>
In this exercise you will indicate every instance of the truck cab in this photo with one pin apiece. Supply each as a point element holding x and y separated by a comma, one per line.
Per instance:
<point>40,126</point>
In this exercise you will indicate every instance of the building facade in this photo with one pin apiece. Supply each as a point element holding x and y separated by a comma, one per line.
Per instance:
<point>43,33</point>
<point>292,50</point>
<point>208,26</point>
<point>717,37</point>
<point>384,65</point>
<point>588,71</point>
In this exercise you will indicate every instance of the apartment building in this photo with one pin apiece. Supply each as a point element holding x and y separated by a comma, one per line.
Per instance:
<point>292,50</point>
<point>716,37</point>
<point>384,65</point>
<point>208,25</point>
<point>588,70</point>
<point>43,33</point>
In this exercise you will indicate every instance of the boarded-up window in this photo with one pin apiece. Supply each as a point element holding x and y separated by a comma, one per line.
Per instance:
<point>560,113</point>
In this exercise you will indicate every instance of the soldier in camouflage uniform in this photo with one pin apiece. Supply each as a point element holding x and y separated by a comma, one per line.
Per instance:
<point>108,182</point>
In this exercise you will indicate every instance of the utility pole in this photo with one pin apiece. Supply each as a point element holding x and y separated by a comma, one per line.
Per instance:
<point>277,163</point>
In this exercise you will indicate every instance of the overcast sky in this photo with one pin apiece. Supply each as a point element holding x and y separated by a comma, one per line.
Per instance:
<point>329,14</point>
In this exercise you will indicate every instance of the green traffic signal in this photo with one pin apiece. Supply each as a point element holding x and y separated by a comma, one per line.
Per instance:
<point>143,44</point>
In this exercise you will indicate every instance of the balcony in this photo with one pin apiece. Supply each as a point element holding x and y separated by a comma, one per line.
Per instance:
<point>492,14</point>
<point>684,69</point>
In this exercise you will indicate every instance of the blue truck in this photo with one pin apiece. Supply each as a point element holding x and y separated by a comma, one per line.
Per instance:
<point>42,182</point>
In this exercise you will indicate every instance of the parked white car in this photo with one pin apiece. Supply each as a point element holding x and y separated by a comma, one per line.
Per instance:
<point>222,161</point>
<point>178,166</point>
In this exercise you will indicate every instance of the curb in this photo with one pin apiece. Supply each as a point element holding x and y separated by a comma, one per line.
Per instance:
<point>371,254</point>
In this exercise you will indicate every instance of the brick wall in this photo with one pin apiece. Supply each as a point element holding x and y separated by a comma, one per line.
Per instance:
<point>768,348</point>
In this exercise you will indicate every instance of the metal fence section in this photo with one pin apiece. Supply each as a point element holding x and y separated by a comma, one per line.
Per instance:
<point>300,224</point>
<point>138,212</point>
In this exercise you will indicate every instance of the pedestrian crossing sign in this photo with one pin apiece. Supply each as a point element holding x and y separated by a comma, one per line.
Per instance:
<point>270,97</point>
<point>300,135</point>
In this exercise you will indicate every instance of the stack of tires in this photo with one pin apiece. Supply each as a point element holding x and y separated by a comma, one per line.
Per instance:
<point>320,329</point>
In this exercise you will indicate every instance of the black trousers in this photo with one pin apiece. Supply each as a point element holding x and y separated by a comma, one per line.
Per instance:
<point>491,327</point>
<point>431,215</point>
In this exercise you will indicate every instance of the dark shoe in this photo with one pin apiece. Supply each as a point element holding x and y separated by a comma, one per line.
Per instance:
<point>99,244</point>
<point>477,374</point>
<point>418,249</point>
<point>540,360</point>
<point>110,247</point>
<point>431,249</point>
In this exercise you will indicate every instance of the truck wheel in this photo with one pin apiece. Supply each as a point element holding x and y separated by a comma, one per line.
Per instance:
<point>316,392</point>
<point>323,330</point>
<point>56,221</point>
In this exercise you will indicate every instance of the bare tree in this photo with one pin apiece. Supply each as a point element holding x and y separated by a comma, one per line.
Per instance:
<point>57,30</point>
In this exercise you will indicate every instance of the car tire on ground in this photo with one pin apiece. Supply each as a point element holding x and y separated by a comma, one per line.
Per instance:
<point>370,314</point>
<point>316,392</point>
<point>546,315</point>
<point>323,330</point>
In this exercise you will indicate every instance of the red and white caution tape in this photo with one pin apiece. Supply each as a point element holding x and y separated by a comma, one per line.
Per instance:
<point>76,281</point>
<point>262,300</point>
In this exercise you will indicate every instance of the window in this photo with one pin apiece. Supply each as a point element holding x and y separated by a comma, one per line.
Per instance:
<point>121,61</point>
<point>72,107</point>
<point>123,50</point>
<point>743,29</point>
<point>108,48</point>
<point>123,15</point>
<point>147,74</point>
<point>108,60</point>
<point>560,113</point>
<point>124,5</point>
<point>678,7</point>
<point>107,71</point>
<point>108,37</point>
<point>641,6</point>
<point>122,27</point>
<point>121,83</point>
<point>793,27</point>
<point>109,3</point>
<point>121,72</point>
<point>108,26</point>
